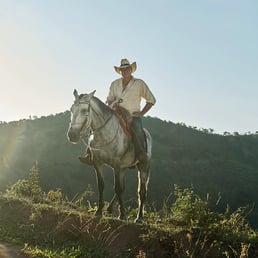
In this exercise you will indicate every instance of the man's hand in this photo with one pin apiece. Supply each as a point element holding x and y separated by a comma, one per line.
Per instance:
<point>146,108</point>
<point>137,114</point>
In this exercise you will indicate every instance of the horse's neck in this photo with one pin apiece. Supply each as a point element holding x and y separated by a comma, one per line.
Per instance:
<point>100,114</point>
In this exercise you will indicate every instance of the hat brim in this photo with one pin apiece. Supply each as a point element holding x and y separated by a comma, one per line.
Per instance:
<point>133,66</point>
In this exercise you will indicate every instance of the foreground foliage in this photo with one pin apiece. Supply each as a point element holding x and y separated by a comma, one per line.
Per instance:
<point>51,226</point>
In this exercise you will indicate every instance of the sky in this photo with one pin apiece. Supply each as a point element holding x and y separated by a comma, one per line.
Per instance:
<point>199,58</point>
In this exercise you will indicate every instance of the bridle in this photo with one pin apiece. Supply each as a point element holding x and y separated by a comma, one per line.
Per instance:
<point>87,123</point>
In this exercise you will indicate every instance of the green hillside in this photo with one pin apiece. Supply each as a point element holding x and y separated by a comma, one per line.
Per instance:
<point>224,166</point>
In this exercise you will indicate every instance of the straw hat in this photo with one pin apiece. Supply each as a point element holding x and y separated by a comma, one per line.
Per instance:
<point>125,63</point>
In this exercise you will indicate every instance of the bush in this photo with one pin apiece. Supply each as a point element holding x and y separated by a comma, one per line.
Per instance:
<point>207,230</point>
<point>27,188</point>
<point>190,211</point>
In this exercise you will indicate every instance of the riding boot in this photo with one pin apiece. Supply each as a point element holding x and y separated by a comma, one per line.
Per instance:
<point>139,138</point>
<point>87,158</point>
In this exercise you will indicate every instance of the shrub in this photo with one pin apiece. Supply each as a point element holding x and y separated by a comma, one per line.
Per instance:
<point>55,196</point>
<point>229,233</point>
<point>27,188</point>
<point>190,211</point>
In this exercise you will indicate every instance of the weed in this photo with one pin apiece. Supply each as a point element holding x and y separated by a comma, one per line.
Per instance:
<point>54,227</point>
<point>27,188</point>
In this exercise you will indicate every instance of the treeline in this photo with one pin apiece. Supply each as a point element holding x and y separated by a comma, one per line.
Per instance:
<point>224,166</point>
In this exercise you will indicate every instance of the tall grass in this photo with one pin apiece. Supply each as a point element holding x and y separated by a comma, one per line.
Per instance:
<point>51,226</point>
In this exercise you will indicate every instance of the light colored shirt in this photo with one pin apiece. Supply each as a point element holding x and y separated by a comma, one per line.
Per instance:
<point>132,95</point>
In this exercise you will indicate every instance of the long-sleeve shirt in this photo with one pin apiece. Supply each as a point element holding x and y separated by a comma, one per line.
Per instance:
<point>132,95</point>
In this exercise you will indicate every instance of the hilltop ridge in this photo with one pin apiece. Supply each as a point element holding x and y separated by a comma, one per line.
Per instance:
<point>224,166</point>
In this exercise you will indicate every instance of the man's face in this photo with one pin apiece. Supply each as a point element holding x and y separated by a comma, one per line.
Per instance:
<point>126,72</point>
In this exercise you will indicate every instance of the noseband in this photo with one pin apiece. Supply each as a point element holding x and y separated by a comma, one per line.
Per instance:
<point>87,125</point>
<point>77,103</point>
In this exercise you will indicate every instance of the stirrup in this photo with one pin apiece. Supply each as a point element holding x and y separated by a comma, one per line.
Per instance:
<point>86,159</point>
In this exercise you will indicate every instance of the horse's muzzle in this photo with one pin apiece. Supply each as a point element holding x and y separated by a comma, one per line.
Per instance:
<point>73,136</point>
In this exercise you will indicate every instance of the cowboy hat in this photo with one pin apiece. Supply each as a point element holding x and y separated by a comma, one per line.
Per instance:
<point>124,64</point>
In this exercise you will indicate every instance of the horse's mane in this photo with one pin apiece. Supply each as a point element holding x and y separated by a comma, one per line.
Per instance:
<point>102,106</point>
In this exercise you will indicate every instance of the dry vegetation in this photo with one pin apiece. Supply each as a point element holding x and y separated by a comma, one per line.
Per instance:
<point>51,226</point>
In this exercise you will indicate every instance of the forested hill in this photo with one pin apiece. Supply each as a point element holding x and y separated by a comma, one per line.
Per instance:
<point>225,166</point>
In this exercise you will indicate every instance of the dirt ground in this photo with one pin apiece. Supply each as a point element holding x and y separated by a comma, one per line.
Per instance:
<point>11,251</point>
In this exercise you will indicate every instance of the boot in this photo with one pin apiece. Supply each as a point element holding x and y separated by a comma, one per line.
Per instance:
<point>141,154</point>
<point>138,138</point>
<point>87,159</point>
<point>140,147</point>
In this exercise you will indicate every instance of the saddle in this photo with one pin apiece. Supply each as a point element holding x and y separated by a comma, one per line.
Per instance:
<point>125,119</point>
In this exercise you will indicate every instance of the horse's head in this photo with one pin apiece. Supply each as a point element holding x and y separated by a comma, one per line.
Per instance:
<point>80,116</point>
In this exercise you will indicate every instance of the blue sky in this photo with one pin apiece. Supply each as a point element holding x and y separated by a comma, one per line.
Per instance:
<point>199,58</point>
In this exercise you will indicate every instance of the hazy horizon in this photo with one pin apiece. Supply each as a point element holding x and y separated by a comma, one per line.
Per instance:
<point>199,58</point>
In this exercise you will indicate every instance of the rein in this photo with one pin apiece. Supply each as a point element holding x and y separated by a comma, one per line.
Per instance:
<point>103,124</point>
<point>97,148</point>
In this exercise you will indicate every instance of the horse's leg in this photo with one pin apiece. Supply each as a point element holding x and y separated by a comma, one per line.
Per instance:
<point>143,180</point>
<point>110,206</point>
<point>100,183</point>
<point>119,189</point>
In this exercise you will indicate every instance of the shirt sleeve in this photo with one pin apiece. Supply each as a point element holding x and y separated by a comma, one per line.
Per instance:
<point>111,94</point>
<point>147,94</point>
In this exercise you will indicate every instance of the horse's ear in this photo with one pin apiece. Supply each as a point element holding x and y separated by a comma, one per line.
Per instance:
<point>75,93</point>
<point>90,95</point>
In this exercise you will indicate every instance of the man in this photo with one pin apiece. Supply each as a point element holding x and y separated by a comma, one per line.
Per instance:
<point>128,92</point>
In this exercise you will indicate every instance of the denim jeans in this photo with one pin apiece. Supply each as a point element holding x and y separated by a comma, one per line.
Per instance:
<point>138,134</point>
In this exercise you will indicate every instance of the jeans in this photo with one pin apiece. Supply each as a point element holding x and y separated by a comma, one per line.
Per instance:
<point>138,134</point>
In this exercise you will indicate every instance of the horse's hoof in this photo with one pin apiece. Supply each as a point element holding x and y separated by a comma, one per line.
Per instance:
<point>98,214</point>
<point>109,210</point>
<point>138,220</point>
<point>122,217</point>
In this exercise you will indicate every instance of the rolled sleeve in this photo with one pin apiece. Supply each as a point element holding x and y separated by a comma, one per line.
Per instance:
<point>147,94</point>
<point>111,95</point>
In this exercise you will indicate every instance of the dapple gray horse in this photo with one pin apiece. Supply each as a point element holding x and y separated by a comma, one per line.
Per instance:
<point>111,146</point>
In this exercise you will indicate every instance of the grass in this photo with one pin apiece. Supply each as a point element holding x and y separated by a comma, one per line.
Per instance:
<point>51,226</point>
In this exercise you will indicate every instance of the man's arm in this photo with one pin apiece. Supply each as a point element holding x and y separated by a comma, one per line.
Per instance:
<point>111,95</point>
<point>145,109</point>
